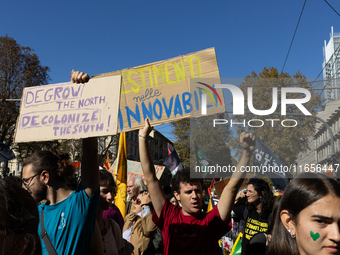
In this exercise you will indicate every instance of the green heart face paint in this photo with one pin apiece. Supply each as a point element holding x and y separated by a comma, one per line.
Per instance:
<point>314,236</point>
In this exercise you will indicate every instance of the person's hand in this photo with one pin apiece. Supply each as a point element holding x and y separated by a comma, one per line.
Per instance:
<point>146,130</point>
<point>145,198</point>
<point>79,77</point>
<point>241,195</point>
<point>247,141</point>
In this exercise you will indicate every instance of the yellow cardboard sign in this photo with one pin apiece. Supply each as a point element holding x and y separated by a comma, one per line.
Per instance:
<point>161,90</point>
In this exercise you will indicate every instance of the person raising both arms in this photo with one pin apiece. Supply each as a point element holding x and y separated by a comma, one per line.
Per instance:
<point>188,230</point>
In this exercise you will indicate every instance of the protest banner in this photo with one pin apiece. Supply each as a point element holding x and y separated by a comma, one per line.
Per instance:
<point>161,90</point>
<point>69,110</point>
<point>134,168</point>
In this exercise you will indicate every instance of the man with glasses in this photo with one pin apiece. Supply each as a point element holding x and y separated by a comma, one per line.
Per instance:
<point>35,187</point>
<point>68,216</point>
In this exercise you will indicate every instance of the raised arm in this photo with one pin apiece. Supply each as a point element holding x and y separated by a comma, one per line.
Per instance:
<point>227,198</point>
<point>155,190</point>
<point>89,164</point>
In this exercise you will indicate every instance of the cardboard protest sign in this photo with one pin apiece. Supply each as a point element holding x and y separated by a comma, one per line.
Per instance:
<point>69,110</point>
<point>219,186</point>
<point>161,90</point>
<point>135,168</point>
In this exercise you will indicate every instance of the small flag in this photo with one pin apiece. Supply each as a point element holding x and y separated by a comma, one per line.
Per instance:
<point>202,158</point>
<point>269,165</point>
<point>121,175</point>
<point>107,162</point>
<point>172,161</point>
<point>76,164</point>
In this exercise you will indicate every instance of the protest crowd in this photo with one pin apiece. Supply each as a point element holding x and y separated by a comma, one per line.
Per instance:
<point>43,214</point>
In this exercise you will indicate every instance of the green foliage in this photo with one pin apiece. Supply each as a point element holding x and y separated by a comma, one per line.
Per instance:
<point>19,68</point>
<point>213,141</point>
<point>285,142</point>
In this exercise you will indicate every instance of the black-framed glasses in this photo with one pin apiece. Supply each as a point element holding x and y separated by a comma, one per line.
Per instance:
<point>27,181</point>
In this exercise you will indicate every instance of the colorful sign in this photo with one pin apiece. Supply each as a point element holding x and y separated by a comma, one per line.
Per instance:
<point>69,110</point>
<point>134,168</point>
<point>162,92</point>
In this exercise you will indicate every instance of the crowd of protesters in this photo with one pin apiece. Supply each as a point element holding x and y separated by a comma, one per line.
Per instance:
<point>47,215</point>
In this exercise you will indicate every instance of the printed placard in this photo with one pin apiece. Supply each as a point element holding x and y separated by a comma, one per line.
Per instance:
<point>161,90</point>
<point>69,110</point>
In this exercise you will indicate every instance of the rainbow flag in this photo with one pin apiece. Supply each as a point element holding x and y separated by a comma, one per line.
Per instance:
<point>121,175</point>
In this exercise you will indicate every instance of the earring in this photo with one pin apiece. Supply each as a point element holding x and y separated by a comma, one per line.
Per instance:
<point>291,233</point>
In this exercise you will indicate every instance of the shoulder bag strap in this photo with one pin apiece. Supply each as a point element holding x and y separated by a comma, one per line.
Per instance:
<point>44,236</point>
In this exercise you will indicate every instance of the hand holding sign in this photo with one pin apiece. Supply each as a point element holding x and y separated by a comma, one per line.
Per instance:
<point>79,77</point>
<point>146,130</point>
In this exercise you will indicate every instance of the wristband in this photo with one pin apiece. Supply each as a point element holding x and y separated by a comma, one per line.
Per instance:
<point>145,137</point>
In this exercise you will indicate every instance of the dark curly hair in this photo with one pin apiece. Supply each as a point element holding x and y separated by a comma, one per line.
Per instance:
<point>59,167</point>
<point>183,176</point>
<point>19,215</point>
<point>267,199</point>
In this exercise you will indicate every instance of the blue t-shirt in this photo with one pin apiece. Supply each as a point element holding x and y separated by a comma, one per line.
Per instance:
<point>69,224</point>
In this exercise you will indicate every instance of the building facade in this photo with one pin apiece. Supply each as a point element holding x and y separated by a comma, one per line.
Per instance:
<point>320,145</point>
<point>331,67</point>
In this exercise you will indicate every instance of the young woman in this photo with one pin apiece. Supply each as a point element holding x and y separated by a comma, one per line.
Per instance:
<point>256,211</point>
<point>19,219</point>
<point>113,242</point>
<point>308,219</point>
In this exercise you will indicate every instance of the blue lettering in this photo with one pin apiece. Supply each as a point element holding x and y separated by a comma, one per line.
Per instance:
<point>178,107</point>
<point>55,130</point>
<point>159,115</point>
<point>136,115</point>
<point>186,102</point>
<point>168,110</point>
<point>121,123</point>
<point>147,112</point>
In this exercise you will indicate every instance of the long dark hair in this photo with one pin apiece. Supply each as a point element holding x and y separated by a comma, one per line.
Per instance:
<point>267,198</point>
<point>300,193</point>
<point>19,215</point>
<point>59,167</point>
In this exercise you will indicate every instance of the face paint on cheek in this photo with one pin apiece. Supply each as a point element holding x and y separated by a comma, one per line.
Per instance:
<point>314,236</point>
<point>30,185</point>
<point>199,195</point>
<point>185,197</point>
<point>251,195</point>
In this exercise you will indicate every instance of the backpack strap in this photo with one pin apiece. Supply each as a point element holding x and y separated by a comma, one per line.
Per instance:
<point>44,236</point>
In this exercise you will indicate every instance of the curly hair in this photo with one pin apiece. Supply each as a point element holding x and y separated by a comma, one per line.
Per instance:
<point>267,199</point>
<point>19,215</point>
<point>59,167</point>
<point>184,177</point>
